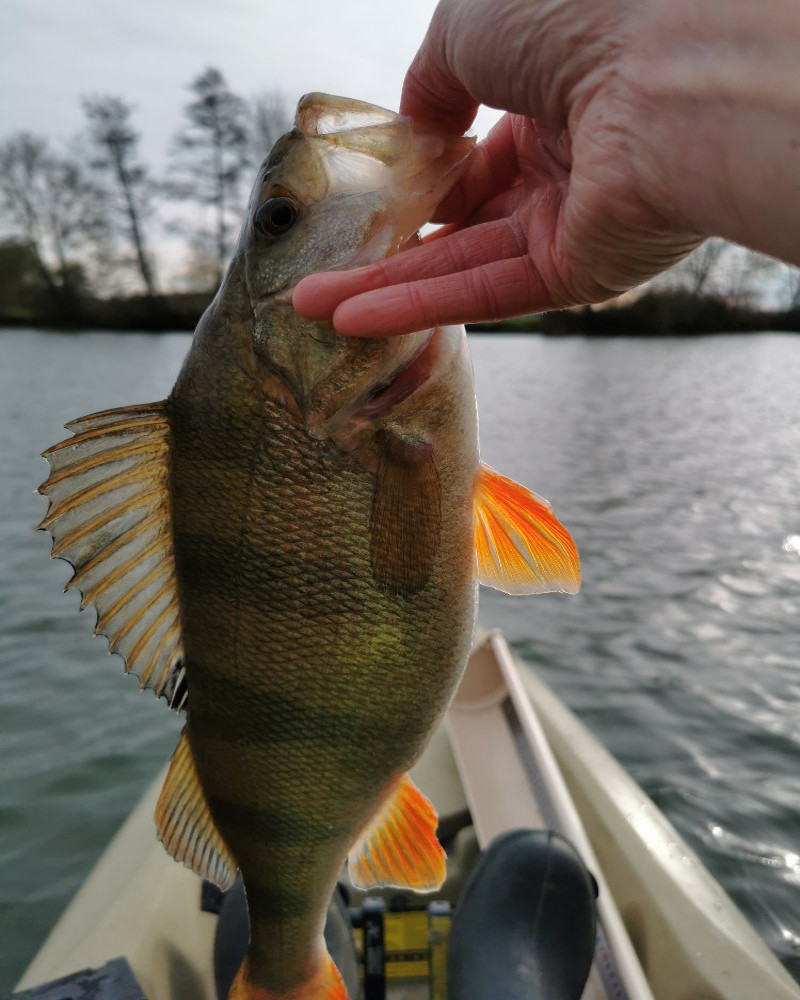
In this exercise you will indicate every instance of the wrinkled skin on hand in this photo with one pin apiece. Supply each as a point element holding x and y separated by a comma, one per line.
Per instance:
<point>549,212</point>
<point>618,155</point>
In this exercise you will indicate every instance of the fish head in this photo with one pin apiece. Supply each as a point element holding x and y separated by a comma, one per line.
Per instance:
<point>349,184</point>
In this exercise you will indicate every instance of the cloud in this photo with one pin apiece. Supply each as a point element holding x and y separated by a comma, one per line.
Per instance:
<point>55,53</point>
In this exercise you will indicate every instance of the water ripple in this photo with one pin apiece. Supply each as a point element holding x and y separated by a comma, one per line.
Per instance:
<point>673,462</point>
<point>675,465</point>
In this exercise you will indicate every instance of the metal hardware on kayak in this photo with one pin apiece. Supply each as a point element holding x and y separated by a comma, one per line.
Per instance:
<point>114,981</point>
<point>492,720</point>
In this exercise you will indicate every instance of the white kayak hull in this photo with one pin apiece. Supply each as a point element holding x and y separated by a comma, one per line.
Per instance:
<point>514,755</point>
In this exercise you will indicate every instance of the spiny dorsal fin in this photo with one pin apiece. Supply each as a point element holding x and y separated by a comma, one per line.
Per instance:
<point>184,824</point>
<point>521,547</point>
<point>399,846</point>
<point>109,516</point>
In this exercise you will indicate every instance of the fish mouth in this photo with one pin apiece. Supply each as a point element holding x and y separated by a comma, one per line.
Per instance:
<point>325,114</point>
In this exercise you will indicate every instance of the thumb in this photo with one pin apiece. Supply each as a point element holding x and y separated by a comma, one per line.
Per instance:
<point>432,95</point>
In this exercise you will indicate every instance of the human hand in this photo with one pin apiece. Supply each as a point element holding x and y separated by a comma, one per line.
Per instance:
<point>555,208</point>
<point>636,128</point>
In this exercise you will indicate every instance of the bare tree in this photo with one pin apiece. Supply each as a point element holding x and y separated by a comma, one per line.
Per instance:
<point>116,142</point>
<point>790,276</point>
<point>725,270</point>
<point>751,278</point>
<point>211,154</point>
<point>200,271</point>
<point>23,289</point>
<point>703,271</point>
<point>22,169</point>
<point>55,207</point>
<point>270,117</point>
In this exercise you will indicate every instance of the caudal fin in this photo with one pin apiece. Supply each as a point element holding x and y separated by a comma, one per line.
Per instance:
<point>326,985</point>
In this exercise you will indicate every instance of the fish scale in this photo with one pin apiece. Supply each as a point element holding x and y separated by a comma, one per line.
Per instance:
<point>288,548</point>
<point>312,630</point>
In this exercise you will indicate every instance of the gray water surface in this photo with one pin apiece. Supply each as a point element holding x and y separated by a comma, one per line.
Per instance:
<point>675,464</point>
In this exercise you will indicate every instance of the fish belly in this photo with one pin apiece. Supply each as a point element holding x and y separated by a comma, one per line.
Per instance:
<point>310,686</point>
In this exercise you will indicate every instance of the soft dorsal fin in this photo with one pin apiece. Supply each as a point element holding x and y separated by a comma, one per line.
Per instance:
<point>184,824</point>
<point>109,516</point>
<point>521,547</point>
<point>398,847</point>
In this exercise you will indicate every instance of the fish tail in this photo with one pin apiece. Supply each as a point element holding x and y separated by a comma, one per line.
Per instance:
<point>327,984</point>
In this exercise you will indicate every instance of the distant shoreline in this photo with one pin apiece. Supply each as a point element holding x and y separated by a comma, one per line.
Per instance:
<point>653,314</point>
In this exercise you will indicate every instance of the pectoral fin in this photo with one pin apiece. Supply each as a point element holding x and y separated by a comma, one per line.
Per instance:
<point>184,824</point>
<point>399,846</point>
<point>406,516</point>
<point>109,516</point>
<point>521,547</point>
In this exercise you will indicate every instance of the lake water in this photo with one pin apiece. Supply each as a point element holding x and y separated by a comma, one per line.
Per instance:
<point>676,465</point>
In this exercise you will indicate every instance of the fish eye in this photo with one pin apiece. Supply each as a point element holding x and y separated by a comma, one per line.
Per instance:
<point>276,215</point>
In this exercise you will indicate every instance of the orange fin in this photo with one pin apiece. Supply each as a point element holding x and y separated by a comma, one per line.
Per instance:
<point>399,846</point>
<point>109,516</point>
<point>184,824</point>
<point>326,985</point>
<point>406,516</point>
<point>521,547</point>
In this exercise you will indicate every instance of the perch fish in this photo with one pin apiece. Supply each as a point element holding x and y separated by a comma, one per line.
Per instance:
<point>288,548</point>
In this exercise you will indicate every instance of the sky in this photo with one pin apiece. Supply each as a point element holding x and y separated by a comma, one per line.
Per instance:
<point>52,53</point>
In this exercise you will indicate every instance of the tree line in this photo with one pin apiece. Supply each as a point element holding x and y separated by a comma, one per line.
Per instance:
<point>95,223</point>
<point>94,220</point>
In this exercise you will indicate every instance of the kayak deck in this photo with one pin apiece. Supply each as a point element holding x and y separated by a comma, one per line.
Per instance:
<point>510,755</point>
